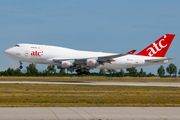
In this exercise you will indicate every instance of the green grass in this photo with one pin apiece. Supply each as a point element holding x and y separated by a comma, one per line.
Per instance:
<point>87,95</point>
<point>92,79</point>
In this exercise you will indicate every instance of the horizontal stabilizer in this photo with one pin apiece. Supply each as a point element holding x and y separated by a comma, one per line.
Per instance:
<point>158,60</point>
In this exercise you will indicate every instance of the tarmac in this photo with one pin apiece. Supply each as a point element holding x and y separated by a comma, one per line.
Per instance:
<point>172,84</point>
<point>90,113</point>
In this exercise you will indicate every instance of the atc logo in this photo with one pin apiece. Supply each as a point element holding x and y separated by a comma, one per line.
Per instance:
<point>157,47</point>
<point>36,53</point>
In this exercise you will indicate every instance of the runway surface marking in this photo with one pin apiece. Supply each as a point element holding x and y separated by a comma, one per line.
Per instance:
<point>172,84</point>
<point>87,113</point>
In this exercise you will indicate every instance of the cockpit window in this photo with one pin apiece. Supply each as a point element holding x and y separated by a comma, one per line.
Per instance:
<point>17,46</point>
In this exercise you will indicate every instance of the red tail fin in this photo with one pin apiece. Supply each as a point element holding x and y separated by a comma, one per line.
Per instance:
<point>159,47</point>
<point>131,52</point>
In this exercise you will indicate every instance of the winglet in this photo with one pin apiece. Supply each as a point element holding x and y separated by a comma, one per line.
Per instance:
<point>159,47</point>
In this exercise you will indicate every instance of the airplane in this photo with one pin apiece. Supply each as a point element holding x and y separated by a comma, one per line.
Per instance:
<point>83,61</point>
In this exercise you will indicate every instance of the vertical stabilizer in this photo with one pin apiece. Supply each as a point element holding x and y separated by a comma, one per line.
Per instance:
<point>159,47</point>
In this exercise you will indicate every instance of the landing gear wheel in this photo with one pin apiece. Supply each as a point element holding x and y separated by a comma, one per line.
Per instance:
<point>88,73</point>
<point>21,67</point>
<point>80,72</point>
<point>84,72</point>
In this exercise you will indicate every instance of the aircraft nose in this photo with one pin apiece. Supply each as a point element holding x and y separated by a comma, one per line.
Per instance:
<point>8,52</point>
<point>5,52</point>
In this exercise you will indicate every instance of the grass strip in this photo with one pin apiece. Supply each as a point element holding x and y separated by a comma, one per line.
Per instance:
<point>92,79</point>
<point>31,95</point>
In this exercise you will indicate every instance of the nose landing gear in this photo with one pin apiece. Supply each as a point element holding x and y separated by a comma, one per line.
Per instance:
<point>21,67</point>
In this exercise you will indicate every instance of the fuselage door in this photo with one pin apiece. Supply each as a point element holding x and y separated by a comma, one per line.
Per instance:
<point>26,53</point>
<point>41,50</point>
<point>41,47</point>
<point>136,62</point>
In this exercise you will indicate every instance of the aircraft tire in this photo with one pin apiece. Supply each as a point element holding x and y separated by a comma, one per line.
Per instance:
<point>21,67</point>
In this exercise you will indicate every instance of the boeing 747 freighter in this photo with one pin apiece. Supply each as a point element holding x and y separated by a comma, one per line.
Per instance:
<point>85,60</point>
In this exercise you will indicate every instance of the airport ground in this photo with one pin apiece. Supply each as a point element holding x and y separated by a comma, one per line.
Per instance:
<point>70,95</point>
<point>90,113</point>
<point>93,79</point>
<point>89,98</point>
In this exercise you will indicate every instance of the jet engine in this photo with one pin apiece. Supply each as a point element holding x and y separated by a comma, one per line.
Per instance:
<point>91,62</point>
<point>66,64</point>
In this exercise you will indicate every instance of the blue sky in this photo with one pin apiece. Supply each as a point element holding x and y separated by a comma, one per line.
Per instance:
<point>114,26</point>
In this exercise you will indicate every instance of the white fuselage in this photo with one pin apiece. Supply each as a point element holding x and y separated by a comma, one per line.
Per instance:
<point>44,54</point>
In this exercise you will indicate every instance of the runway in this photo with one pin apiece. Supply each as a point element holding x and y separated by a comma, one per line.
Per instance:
<point>90,113</point>
<point>171,84</point>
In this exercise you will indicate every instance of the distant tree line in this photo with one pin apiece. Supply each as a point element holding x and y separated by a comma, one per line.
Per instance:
<point>171,69</point>
<point>31,70</point>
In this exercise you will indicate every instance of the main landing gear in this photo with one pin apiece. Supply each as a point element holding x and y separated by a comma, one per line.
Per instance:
<point>21,67</point>
<point>81,72</point>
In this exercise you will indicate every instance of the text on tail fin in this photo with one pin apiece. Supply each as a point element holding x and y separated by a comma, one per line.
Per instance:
<point>159,47</point>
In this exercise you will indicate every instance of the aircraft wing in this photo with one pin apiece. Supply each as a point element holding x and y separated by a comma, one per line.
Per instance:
<point>101,60</point>
<point>109,58</point>
<point>83,61</point>
<point>158,60</point>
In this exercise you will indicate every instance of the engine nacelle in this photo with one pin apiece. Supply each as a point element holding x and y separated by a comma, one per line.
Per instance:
<point>91,62</point>
<point>66,64</point>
